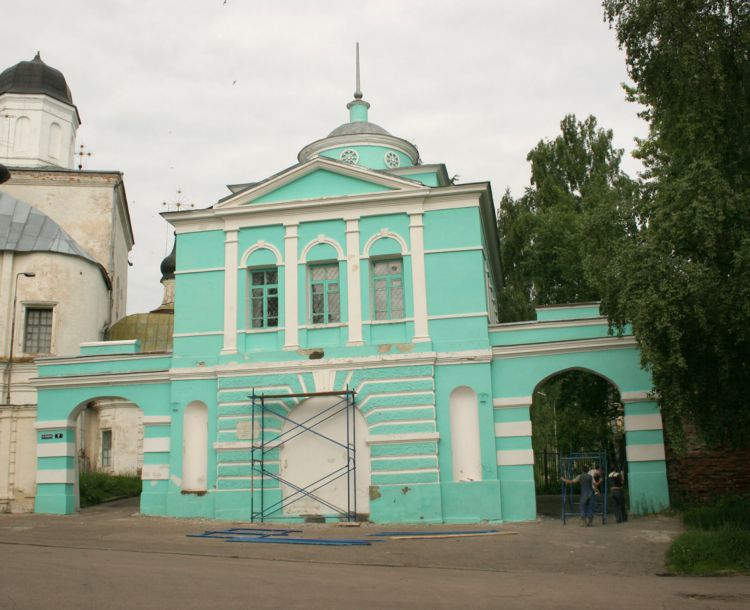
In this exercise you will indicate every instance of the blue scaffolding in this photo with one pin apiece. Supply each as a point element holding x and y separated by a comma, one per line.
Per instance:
<point>570,467</point>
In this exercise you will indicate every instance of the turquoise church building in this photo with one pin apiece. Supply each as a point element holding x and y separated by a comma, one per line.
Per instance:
<point>337,353</point>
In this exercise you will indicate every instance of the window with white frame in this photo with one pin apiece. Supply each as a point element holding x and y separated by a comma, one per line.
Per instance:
<point>325,300</point>
<point>388,289</point>
<point>37,336</point>
<point>264,298</point>
<point>106,448</point>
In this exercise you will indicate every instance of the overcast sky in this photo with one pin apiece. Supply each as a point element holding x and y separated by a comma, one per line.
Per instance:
<point>197,94</point>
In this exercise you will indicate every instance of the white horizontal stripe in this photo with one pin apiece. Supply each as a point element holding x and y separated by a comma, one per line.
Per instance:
<point>61,475</point>
<point>391,458</point>
<point>515,457</point>
<point>405,422</point>
<point>478,314</point>
<point>152,420</point>
<point>645,453</point>
<point>408,437</point>
<point>394,380</point>
<point>155,472</point>
<point>55,449</point>
<point>48,425</point>
<point>204,334</point>
<point>232,445</point>
<point>397,409</point>
<point>643,422</point>
<point>156,445</point>
<point>636,397</point>
<point>362,403</point>
<point>206,270</point>
<point>108,343</point>
<point>411,471</point>
<point>512,401</point>
<point>513,428</point>
<point>445,250</point>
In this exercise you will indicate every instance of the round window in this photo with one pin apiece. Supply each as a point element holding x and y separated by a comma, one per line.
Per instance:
<point>392,160</point>
<point>349,156</point>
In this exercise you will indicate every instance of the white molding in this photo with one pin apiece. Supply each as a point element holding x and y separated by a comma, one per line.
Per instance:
<point>382,322</point>
<point>510,429</point>
<point>385,234</point>
<point>205,270</point>
<point>546,324</point>
<point>155,472</point>
<point>478,314</point>
<point>651,421</point>
<point>56,475</point>
<point>211,333</point>
<point>156,445</point>
<point>108,343</point>
<point>361,404</point>
<point>564,347</point>
<point>54,424</point>
<point>103,380</point>
<point>628,397</point>
<point>261,331</point>
<point>412,437</point>
<point>95,358</point>
<point>515,457</point>
<point>321,239</point>
<point>55,450</point>
<point>450,250</point>
<point>466,357</point>
<point>645,453</point>
<point>291,297</point>
<point>232,445</point>
<point>512,402</point>
<point>353,282</point>
<point>231,251</point>
<point>261,245</point>
<point>155,420</point>
<point>419,282</point>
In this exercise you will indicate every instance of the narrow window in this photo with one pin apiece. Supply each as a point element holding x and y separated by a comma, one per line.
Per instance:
<point>388,289</point>
<point>264,298</point>
<point>38,332</point>
<point>106,448</point>
<point>325,305</point>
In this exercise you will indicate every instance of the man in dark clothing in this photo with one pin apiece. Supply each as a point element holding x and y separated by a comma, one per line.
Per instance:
<point>617,486</point>
<point>589,487</point>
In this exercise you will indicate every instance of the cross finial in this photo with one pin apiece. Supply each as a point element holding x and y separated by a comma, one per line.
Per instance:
<point>81,155</point>
<point>358,90</point>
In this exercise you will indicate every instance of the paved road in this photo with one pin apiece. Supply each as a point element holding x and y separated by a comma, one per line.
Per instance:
<point>111,558</point>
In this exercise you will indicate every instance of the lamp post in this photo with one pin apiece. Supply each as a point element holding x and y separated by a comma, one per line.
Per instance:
<point>12,332</point>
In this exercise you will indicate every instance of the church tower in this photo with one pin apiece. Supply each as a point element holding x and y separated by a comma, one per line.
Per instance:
<point>38,120</point>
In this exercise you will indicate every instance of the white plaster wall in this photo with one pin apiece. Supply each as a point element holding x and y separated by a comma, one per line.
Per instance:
<point>74,288</point>
<point>42,111</point>
<point>308,457</point>
<point>17,459</point>
<point>465,450</point>
<point>92,209</point>
<point>195,447</point>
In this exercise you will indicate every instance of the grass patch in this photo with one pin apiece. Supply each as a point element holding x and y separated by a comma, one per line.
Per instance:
<point>98,487</point>
<point>717,541</point>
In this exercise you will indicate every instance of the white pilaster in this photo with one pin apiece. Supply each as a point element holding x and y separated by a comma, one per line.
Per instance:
<point>291,298</point>
<point>419,283</point>
<point>354,279</point>
<point>230,292</point>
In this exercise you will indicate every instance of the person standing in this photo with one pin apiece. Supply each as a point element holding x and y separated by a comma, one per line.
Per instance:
<point>617,487</point>
<point>589,487</point>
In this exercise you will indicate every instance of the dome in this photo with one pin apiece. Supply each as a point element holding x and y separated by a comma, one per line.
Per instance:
<point>35,77</point>
<point>168,265</point>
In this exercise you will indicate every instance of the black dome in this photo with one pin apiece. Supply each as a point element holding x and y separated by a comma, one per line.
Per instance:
<point>35,77</point>
<point>169,264</point>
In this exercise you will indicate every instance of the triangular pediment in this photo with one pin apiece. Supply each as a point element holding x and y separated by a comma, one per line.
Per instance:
<point>319,178</point>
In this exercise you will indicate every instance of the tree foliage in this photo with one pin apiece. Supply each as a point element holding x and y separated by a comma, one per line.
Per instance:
<point>554,235</point>
<point>682,278</point>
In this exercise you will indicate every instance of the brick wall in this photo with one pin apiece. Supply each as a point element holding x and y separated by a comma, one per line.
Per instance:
<point>699,474</point>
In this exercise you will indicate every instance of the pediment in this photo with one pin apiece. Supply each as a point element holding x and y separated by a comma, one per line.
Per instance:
<point>318,178</point>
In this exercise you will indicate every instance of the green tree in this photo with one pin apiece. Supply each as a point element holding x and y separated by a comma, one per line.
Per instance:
<point>682,279</point>
<point>555,236</point>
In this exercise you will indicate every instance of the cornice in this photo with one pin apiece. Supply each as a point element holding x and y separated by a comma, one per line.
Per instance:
<point>102,380</point>
<point>564,347</point>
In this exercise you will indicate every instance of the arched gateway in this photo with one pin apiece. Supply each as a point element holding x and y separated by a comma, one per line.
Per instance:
<point>359,269</point>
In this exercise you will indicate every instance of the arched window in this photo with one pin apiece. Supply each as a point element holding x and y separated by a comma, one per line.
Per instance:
<point>22,134</point>
<point>54,139</point>
<point>388,289</point>
<point>465,450</point>
<point>195,447</point>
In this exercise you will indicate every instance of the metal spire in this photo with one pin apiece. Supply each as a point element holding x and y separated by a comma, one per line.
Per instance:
<point>358,91</point>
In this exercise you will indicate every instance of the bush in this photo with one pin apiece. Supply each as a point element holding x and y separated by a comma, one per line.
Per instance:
<point>98,487</point>
<point>729,510</point>
<point>726,549</point>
